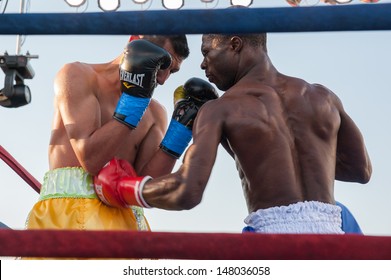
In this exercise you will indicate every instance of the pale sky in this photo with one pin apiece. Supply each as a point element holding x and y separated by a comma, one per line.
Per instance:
<point>355,65</point>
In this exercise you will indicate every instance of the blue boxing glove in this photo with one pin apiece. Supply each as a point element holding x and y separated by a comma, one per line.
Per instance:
<point>188,99</point>
<point>138,70</point>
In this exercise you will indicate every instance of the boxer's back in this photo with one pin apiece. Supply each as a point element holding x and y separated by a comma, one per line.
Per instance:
<point>290,129</point>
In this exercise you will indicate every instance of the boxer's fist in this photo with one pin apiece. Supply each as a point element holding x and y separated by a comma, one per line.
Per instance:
<point>200,91</point>
<point>105,183</point>
<point>188,99</point>
<point>138,70</point>
<point>117,185</point>
<point>139,65</point>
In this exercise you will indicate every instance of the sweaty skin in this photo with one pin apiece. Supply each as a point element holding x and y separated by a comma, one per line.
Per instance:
<point>84,132</point>
<point>290,139</point>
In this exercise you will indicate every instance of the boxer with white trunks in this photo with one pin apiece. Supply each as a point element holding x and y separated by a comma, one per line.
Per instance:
<point>290,140</point>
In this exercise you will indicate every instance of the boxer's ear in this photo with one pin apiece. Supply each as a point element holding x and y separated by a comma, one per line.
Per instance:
<point>236,43</point>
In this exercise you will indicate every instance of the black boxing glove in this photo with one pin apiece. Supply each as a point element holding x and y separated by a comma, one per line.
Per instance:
<point>188,99</point>
<point>138,70</point>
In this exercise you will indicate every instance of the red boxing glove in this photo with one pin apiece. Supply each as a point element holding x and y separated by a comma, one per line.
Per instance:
<point>112,193</point>
<point>131,190</point>
<point>105,183</point>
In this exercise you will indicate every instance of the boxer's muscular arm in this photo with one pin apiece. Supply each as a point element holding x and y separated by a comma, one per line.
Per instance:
<point>151,160</point>
<point>184,189</point>
<point>353,163</point>
<point>93,143</point>
<point>80,113</point>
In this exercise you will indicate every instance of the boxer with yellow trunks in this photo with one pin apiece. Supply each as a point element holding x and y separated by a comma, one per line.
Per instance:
<point>67,197</point>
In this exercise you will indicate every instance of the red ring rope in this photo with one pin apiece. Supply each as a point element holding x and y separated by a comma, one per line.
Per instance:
<point>199,246</point>
<point>19,169</point>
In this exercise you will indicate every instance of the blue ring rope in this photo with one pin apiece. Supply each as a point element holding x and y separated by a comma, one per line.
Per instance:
<point>225,21</point>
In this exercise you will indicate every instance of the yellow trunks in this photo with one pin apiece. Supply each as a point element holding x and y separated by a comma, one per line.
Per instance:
<point>68,201</point>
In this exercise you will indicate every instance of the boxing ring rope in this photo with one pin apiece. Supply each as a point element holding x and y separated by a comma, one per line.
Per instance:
<point>19,169</point>
<point>299,19</point>
<point>198,246</point>
<point>208,246</point>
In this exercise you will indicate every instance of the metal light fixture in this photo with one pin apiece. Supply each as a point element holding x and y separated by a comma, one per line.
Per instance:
<point>140,1</point>
<point>245,3</point>
<point>109,5</point>
<point>172,4</point>
<point>19,95</point>
<point>16,68</point>
<point>75,3</point>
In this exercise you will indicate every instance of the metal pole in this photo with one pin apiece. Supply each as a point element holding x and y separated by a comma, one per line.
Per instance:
<point>19,37</point>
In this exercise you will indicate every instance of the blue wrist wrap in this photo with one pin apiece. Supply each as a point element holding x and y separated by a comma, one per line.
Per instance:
<point>177,137</point>
<point>132,108</point>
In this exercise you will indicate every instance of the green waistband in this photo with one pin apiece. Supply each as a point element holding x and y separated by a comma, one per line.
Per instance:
<point>67,182</point>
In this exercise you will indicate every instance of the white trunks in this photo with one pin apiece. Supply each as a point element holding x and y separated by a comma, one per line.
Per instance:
<point>309,217</point>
